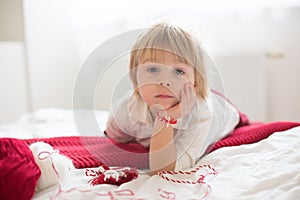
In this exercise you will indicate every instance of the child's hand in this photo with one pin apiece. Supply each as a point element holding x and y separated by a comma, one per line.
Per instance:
<point>188,99</point>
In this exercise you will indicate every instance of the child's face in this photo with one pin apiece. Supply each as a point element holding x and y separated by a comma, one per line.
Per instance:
<point>161,81</point>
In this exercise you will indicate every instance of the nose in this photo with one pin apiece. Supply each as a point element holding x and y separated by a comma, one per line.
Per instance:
<point>164,77</point>
<point>165,84</point>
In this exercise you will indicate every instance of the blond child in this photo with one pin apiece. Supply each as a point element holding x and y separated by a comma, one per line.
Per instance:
<point>171,110</point>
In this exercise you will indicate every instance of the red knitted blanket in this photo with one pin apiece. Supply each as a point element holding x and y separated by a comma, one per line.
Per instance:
<point>253,133</point>
<point>93,151</point>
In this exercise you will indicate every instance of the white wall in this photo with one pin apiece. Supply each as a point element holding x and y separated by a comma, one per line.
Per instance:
<point>14,97</point>
<point>53,61</point>
<point>244,79</point>
<point>283,71</point>
<point>256,51</point>
<point>13,77</point>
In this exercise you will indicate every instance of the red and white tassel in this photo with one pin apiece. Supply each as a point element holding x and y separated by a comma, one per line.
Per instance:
<point>113,176</point>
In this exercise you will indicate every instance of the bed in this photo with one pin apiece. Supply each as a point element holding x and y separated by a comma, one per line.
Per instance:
<point>261,161</point>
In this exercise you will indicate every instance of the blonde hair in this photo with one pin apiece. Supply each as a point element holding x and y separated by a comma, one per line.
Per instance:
<point>175,40</point>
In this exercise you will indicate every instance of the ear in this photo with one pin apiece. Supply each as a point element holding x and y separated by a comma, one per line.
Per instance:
<point>136,90</point>
<point>194,84</point>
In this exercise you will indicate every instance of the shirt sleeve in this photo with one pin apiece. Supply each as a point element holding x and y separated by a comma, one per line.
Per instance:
<point>192,143</point>
<point>225,116</point>
<point>115,132</point>
<point>117,123</point>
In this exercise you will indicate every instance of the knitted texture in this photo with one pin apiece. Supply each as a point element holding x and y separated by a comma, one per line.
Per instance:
<point>91,151</point>
<point>19,173</point>
<point>252,133</point>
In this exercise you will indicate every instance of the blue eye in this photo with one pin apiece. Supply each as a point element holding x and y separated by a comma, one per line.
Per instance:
<point>152,69</point>
<point>179,71</point>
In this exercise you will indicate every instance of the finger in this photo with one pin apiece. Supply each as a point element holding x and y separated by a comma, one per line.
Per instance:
<point>183,96</point>
<point>192,92</point>
<point>184,102</point>
<point>187,90</point>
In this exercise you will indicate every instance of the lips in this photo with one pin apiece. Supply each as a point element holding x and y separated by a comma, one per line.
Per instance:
<point>164,96</point>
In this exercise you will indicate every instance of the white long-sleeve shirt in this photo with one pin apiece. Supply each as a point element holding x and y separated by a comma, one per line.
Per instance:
<point>130,121</point>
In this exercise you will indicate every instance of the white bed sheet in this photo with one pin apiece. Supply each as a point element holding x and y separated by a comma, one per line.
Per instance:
<point>269,169</point>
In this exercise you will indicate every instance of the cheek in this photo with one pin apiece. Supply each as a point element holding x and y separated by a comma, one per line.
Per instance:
<point>145,92</point>
<point>143,78</point>
<point>180,82</point>
<point>142,91</point>
<point>176,89</point>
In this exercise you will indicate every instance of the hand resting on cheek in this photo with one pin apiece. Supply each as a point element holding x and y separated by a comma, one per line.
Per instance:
<point>187,101</point>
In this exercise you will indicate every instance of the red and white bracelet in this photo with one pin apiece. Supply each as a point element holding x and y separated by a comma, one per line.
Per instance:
<point>168,121</point>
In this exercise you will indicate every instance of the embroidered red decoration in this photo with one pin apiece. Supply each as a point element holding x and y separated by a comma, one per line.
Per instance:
<point>113,176</point>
